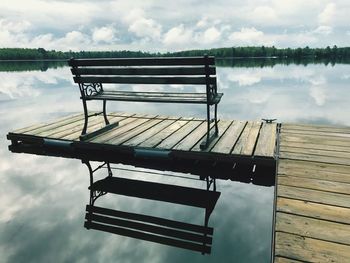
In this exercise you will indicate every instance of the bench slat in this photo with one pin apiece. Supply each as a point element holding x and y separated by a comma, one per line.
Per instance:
<point>176,233</point>
<point>146,80</point>
<point>150,237</point>
<point>144,71</point>
<point>156,191</point>
<point>180,61</point>
<point>150,219</point>
<point>200,98</point>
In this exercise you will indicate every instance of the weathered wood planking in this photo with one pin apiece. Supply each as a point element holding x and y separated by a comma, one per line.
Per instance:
<point>165,133</point>
<point>267,139</point>
<point>313,228</point>
<point>246,142</point>
<point>229,138</point>
<point>235,138</point>
<point>312,207</point>
<point>307,249</point>
<point>314,210</point>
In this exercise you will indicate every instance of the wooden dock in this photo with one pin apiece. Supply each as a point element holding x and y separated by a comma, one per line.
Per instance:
<point>241,144</point>
<point>312,210</point>
<point>312,204</point>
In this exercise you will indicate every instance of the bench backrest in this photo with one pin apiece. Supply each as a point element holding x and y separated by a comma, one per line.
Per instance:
<point>156,70</point>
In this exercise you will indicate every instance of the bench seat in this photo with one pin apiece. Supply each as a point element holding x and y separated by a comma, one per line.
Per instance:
<point>174,97</point>
<point>158,191</point>
<point>150,228</point>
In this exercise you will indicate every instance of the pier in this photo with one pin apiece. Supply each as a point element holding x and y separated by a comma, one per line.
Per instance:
<point>312,164</point>
<point>312,209</point>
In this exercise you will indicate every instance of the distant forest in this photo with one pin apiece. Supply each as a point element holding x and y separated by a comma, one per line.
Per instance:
<point>336,54</point>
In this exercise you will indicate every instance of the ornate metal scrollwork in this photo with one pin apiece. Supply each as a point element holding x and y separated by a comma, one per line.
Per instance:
<point>91,89</point>
<point>96,195</point>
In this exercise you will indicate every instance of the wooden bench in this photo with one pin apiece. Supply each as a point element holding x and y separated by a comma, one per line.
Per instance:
<point>93,74</point>
<point>155,229</point>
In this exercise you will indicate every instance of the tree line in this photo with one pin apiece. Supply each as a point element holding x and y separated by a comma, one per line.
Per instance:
<point>338,54</point>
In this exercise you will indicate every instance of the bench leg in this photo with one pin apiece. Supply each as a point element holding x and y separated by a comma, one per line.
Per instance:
<point>86,116</point>
<point>104,112</point>
<point>93,194</point>
<point>216,120</point>
<point>209,138</point>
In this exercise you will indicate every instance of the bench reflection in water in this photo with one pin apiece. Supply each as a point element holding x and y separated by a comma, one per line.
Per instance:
<point>160,230</point>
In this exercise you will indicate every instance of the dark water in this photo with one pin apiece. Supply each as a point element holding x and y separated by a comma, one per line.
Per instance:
<point>43,198</point>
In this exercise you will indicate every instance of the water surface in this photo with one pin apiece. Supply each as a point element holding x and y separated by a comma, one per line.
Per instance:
<point>43,198</point>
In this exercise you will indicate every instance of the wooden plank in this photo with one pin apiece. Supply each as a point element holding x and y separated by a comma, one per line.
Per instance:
<point>146,80</point>
<point>297,164</point>
<point>155,94</point>
<point>152,132</point>
<point>315,158</point>
<point>55,124</point>
<point>312,127</point>
<point>285,260</point>
<point>124,126</point>
<point>325,140</point>
<point>174,194</point>
<point>41,125</point>
<point>316,133</point>
<point>266,141</point>
<point>144,71</point>
<point>229,138</point>
<point>76,127</point>
<point>315,146</point>
<point>247,141</point>
<point>313,228</point>
<point>154,229</point>
<point>180,134</point>
<point>314,210</point>
<point>222,126</point>
<point>315,184</point>
<point>153,61</point>
<point>315,174</point>
<point>134,132</point>
<point>167,99</point>
<point>310,250</point>
<point>150,219</point>
<point>91,128</point>
<point>193,138</point>
<point>315,152</point>
<point>162,135</point>
<point>321,197</point>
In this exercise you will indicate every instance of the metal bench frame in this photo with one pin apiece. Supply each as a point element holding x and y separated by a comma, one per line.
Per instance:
<point>155,229</point>
<point>91,74</point>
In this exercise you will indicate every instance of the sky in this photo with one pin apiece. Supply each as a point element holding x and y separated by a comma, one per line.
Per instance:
<point>156,25</point>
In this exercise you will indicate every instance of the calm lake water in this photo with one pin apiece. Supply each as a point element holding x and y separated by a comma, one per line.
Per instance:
<point>43,199</point>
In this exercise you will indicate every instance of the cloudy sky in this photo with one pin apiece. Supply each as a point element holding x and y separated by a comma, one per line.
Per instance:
<point>172,25</point>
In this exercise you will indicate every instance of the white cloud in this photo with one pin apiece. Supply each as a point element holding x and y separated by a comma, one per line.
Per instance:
<point>14,26</point>
<point>73,40</point>
<point>327,15</point>
<point>247,36</point>
<point>143,27</point>
<point>104,34</point>
<point>178,35</point>
<point>202,23</point>
<point>13,32</point>
<point>264,14</point>
<point>245,78</point>
<point>323,30</point>
<point>153,25</point>
<point>210,35</point>
<point>319,94</point>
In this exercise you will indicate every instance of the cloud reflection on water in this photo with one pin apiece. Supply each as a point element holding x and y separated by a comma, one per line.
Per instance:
<point>43,198</point>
